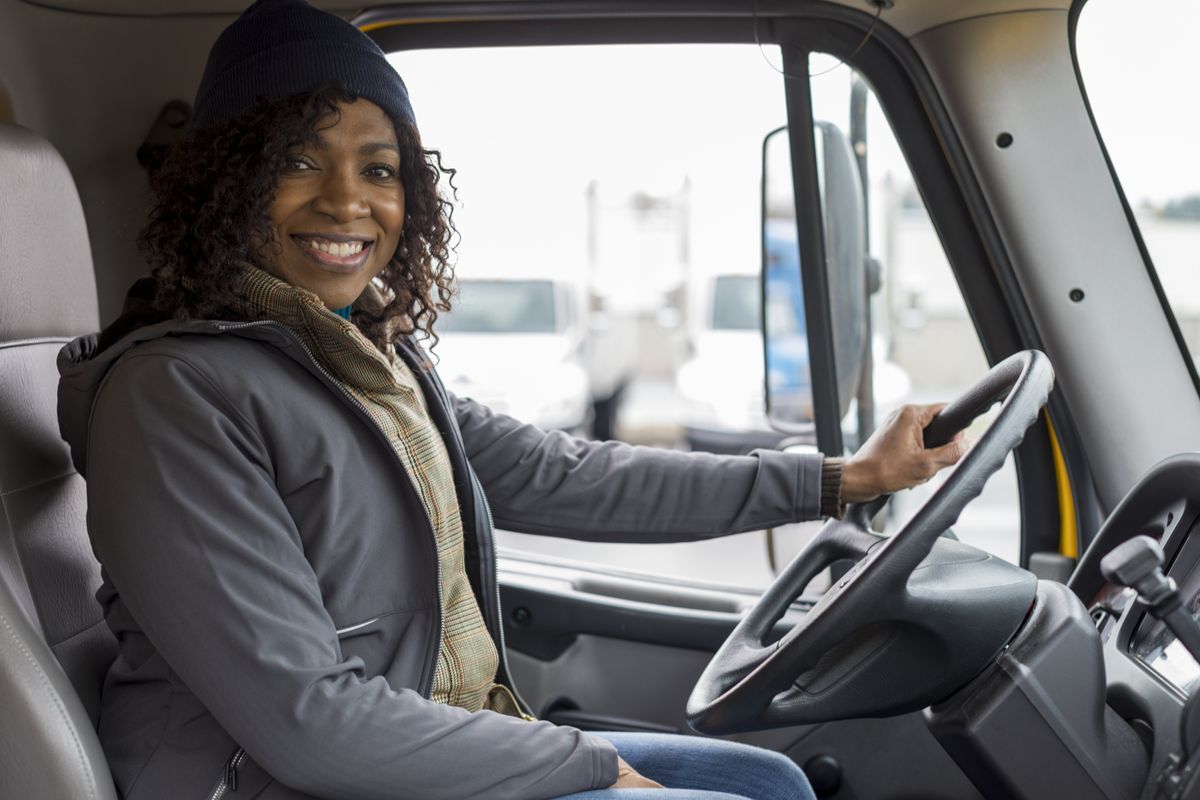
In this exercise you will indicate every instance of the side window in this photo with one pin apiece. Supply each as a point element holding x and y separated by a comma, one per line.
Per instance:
<point>610,209</point>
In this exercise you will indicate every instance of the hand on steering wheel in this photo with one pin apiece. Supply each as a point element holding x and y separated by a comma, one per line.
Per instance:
<point>895,456</point>
<point>914,619</point>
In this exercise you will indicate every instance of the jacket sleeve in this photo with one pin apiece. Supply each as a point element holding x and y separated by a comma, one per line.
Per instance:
<point>194,536</point>
<point>539,482</point>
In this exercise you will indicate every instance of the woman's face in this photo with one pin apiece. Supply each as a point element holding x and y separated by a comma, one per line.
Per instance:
<point>339,207</point>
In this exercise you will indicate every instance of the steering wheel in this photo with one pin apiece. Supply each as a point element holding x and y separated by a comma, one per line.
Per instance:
<point>915,618</point>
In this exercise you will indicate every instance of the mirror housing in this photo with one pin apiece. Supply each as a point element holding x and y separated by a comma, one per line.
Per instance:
<point>851,278</point>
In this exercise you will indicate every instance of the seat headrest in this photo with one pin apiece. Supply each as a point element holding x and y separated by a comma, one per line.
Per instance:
<point>47,284</point>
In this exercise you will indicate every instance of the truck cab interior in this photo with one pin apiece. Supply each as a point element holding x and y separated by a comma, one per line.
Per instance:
<point>898,654</point>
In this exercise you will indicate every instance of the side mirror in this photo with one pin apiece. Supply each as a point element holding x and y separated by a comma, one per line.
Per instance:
<point>785,335</point>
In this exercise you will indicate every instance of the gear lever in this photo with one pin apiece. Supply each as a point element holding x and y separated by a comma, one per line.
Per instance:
<point>1138,564</point>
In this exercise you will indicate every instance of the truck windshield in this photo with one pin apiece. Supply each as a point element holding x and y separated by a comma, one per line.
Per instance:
<point>502,307</point>
<point>1140,104</point>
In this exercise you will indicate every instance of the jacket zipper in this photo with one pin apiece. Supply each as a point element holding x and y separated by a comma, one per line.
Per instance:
<point>357,627</point>
<point>228,782</point>
<point>487,508</point>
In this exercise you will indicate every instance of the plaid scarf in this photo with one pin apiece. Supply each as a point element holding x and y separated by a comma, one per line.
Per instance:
<point>392,398</point>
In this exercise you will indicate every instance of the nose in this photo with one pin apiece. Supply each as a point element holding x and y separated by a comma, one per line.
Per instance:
<point>341,196</point>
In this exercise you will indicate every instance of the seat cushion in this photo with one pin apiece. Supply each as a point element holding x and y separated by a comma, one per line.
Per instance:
<point>48,747</point>
<point>46,562</point>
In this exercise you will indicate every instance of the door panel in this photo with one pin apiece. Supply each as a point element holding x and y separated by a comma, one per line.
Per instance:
<point>549,604</point>
<point>603,651</point>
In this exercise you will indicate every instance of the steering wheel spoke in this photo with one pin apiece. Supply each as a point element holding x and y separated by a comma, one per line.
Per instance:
<point>838,540</point>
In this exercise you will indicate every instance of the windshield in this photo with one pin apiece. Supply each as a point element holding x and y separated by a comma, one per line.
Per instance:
<point>502,307</point>
<point>1144,106</point>
<point>736,302</point>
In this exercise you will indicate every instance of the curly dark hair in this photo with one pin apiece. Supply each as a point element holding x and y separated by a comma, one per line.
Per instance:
<point>212,192</point>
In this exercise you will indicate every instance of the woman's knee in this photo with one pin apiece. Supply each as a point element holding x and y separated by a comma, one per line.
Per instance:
<point>766,767</point>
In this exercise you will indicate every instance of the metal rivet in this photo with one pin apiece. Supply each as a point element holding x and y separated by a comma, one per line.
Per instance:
<point>1004,139</point>
<point>1076,295</point>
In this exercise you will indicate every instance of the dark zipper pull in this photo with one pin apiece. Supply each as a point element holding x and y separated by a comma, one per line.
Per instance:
<point>231,775</point>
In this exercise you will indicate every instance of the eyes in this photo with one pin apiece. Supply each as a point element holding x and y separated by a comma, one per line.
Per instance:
<point>299,164</point>
<point>381,171</point>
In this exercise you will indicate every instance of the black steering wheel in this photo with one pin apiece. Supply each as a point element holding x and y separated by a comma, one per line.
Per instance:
<point>915,618</point>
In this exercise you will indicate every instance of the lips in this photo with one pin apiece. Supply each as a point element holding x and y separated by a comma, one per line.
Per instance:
<point>335,252</point>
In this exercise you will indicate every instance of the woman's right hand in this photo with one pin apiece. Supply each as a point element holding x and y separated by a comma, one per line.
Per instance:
<point>628,778</point>
<point>895,456</point>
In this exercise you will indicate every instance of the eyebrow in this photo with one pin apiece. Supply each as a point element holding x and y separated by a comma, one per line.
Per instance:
<point>371,148</point>
<point>366,149</point>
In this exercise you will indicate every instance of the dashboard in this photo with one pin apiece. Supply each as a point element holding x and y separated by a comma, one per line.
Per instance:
<point>1149,675</point>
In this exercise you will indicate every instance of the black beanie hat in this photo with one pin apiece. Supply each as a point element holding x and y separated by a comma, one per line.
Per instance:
<point>278,48</point>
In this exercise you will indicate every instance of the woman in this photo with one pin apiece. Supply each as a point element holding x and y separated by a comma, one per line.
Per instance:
<point>289,508</point>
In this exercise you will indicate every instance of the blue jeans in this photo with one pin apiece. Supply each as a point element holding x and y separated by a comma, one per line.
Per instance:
<point>693,768</point>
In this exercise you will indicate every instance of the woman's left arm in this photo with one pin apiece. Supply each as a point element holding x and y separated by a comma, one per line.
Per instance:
<point>552,483</point>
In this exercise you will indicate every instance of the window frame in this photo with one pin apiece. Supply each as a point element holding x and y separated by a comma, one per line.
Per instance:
<point>922,125</point>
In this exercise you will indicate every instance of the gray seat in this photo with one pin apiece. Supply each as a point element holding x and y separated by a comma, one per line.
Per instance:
<point>54,645</point>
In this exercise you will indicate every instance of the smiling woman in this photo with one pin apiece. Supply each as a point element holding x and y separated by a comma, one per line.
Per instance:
<point>291,510</point>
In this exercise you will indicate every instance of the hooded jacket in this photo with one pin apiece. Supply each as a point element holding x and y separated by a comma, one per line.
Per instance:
<point>271,577</point>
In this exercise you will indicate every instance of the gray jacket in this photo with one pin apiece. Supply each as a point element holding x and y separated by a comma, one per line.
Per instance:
<point>271,577</point>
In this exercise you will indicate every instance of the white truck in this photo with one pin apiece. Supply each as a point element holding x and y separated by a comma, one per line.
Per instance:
<point>528,344</point>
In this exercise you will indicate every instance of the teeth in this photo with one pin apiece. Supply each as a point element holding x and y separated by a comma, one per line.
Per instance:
<point>339,249</point>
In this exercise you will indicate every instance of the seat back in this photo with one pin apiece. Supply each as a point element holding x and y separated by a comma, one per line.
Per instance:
<point>54,646</point>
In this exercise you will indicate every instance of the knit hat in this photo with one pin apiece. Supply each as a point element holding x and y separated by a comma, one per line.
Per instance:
<point>278,48</point>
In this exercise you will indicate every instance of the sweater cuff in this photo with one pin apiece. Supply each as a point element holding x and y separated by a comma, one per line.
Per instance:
<point>831,488</point>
